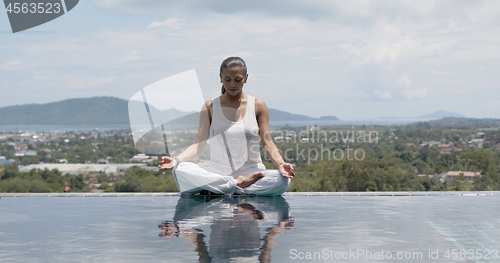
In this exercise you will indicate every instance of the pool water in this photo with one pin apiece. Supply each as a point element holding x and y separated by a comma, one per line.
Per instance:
<point>294,228</point>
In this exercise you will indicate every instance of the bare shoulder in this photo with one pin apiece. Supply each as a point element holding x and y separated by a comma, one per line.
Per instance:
<point>208,104</point>
<point>260,108</point>
<point>260,105</point>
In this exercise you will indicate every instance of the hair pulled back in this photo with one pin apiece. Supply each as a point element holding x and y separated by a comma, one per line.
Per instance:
<point>232,62</point>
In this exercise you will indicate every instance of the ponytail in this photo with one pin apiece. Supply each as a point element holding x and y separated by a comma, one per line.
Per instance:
<point>222,90</point>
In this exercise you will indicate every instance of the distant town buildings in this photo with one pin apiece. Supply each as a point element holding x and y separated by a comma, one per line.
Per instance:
<point>452,175</point>
<point>140,158</point>
<point>468,176</point>
<point>4,161</point>
<point>102,161</point>
<point>25,153</point>
<point>69,168</point>
<point>450,150</point>
<point>430,143</point>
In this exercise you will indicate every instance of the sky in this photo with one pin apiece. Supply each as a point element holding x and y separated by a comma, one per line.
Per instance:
<point>351,59</point>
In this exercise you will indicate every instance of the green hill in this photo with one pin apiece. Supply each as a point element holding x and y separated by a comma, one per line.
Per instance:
<point>96,110</point>
<point>103,110</point>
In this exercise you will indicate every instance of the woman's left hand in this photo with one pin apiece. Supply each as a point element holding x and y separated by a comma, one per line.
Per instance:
<point>286,169</point>
<point>167,163</point>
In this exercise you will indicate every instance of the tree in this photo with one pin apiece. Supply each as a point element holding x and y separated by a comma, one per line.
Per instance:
<point>477,161</point>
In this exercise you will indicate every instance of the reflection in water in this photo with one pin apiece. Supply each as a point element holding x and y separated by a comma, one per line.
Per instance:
<point>230,229</point>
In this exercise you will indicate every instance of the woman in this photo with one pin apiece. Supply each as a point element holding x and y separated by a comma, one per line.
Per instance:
<point>235,123</point>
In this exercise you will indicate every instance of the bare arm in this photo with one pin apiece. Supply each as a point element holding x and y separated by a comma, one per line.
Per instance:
<point>267,247</point>
<point>262,114</point>
<point>199,143</point>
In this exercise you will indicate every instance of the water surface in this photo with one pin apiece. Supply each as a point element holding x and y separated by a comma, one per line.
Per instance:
<point>160,228</point>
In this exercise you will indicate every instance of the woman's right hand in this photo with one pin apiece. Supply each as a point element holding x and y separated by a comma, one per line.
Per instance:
<point>286,169</point>
<point>167,163</point>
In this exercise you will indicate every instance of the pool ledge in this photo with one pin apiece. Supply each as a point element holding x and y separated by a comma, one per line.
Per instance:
<point>437,193</point>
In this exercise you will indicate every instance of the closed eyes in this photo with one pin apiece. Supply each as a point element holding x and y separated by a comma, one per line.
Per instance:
<point>237,80</point>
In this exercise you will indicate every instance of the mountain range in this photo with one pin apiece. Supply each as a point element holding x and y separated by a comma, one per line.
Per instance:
<point>435,115</point>
<point>107,110</point>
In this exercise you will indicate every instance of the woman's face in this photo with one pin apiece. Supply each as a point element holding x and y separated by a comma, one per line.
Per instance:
<point>233,79</point>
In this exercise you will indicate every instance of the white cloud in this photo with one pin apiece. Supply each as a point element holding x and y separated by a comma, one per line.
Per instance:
<point>494,104</point>
<point>131,56</point>
<point>412,94</point>
<point>380,95</point>
<point>14,65</point>
<point>87,82</point>
<point>404,80</point>
<point>174,23</point>
<point>123,6</point>
<point>436,72</point>
<point>381,88</point>
<point>361,13</point>
<point>390,46</point>
<point>409,92</point>
<point>386,95</point>
<point>306,51</point>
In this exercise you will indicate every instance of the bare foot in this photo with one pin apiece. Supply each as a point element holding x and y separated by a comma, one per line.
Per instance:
<point>169,229</point>
<point>246,181</point>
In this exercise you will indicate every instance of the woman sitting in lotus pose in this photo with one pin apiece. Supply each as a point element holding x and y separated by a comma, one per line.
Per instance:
<point>235,123</point>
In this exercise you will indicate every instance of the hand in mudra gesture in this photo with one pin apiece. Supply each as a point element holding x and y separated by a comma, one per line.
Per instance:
<point>167,163</point>
<point>286,169</point>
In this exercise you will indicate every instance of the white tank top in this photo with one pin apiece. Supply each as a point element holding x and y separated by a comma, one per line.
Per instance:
<point>234,146</point>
